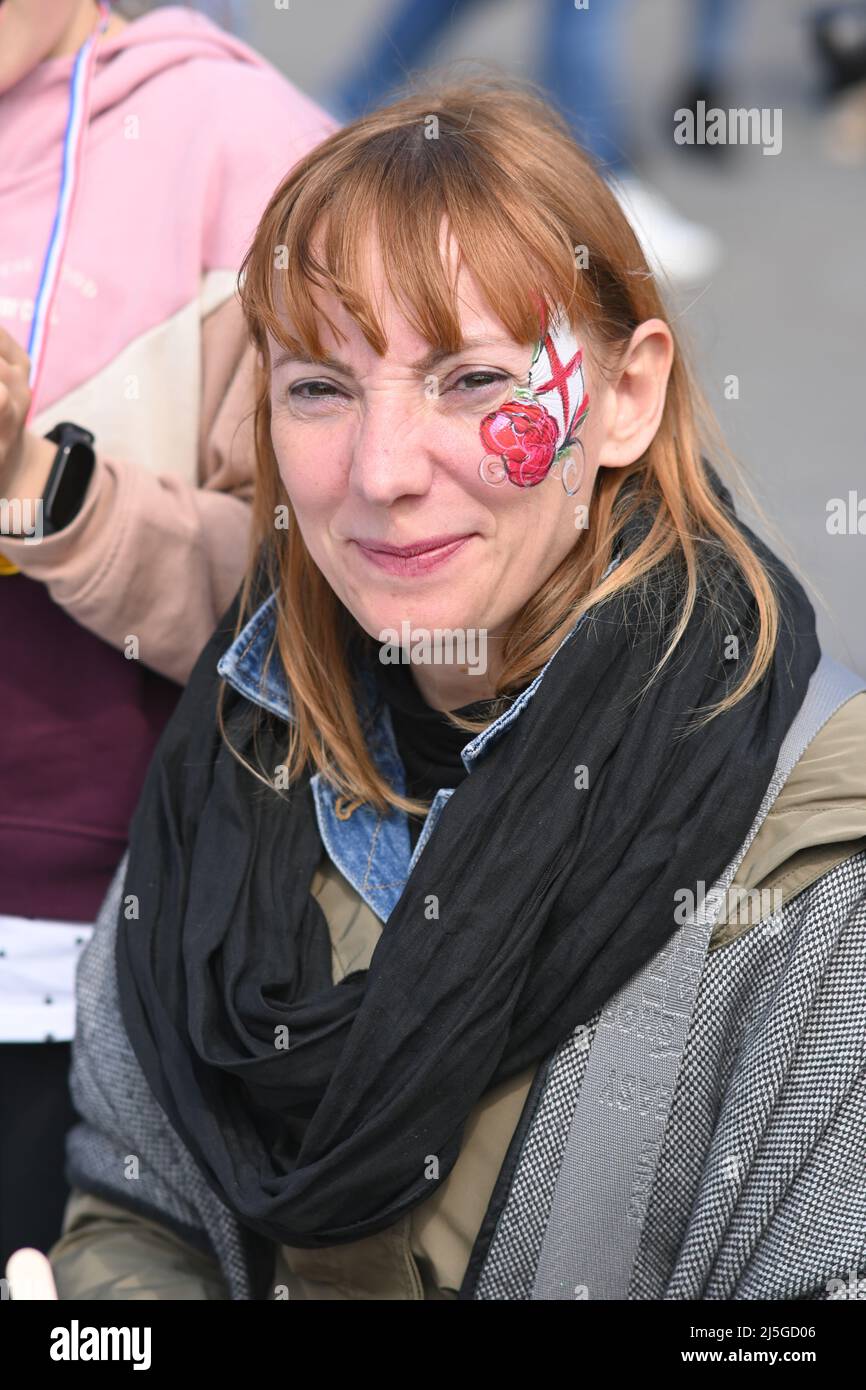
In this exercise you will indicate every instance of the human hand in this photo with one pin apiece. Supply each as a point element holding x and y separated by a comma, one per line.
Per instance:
<point>15,397</point>
<point>25,457</point>
<point>30,1277</point>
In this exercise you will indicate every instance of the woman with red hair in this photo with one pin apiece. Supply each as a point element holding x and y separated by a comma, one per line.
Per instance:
<point>510,815</point>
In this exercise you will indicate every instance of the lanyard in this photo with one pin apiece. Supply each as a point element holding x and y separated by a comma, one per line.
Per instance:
<point>73,144</point>
<point>70,172</point>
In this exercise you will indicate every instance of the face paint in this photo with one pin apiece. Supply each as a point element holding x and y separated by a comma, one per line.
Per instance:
<point>528,435</point>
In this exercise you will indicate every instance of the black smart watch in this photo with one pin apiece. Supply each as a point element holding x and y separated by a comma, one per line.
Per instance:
<point>70,476</point>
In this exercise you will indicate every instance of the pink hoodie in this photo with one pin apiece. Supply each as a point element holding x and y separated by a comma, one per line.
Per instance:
<point>189,134</point>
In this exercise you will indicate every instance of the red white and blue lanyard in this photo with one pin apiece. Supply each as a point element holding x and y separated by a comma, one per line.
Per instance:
<point>70,178</point>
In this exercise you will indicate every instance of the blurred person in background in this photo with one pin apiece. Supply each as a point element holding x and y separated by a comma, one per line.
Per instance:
<point>708,59</point>
<point>839,39</point>
<point>582,70</point>
<point>135,160</point>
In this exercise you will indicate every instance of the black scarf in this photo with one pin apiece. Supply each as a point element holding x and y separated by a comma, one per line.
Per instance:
<point>550,897</point>
<point>428,745</point>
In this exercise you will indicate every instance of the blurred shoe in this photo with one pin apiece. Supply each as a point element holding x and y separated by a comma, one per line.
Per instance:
<point>712,98</point>
<point>681,251</point>
<point>839,37</point>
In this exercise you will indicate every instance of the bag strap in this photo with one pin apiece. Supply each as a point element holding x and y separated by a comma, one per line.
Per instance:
<point>602,1189</point>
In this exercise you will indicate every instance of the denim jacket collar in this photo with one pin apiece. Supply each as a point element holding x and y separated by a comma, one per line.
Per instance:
<point>372,850</point>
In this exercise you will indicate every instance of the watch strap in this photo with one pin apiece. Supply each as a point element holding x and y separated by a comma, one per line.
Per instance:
<point>65,435</point>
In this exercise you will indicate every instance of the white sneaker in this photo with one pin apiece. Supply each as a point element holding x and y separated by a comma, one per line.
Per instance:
<point>683,252</point>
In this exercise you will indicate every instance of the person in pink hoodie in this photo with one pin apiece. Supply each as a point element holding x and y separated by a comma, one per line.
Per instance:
<point>135,161</point>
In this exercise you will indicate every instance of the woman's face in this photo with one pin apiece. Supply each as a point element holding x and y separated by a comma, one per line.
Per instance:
<point>385,452</point>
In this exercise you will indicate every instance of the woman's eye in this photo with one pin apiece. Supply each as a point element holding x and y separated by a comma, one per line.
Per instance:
<point>479,381</point>
<point>315,391</point>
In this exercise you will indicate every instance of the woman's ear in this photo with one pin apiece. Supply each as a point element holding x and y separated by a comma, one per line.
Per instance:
<point>635,400</point>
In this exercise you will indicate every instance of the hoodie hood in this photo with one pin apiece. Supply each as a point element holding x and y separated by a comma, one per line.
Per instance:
<point>188,135</point>
<point>155,43</point>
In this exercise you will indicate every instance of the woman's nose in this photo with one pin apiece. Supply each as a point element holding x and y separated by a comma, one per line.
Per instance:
<point>392,453</point>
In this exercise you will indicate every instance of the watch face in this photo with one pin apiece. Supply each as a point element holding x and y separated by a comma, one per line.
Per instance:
<point>68,495</point>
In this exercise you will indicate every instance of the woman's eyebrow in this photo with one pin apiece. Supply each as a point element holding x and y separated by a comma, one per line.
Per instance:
<point>436,355</point>
<point>425,364</point>
<point>306,359</point>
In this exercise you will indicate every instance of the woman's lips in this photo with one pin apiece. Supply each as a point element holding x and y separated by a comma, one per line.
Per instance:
<point>414,562</point>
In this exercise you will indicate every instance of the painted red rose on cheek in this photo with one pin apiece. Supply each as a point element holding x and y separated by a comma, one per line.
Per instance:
<point>524,436</point>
